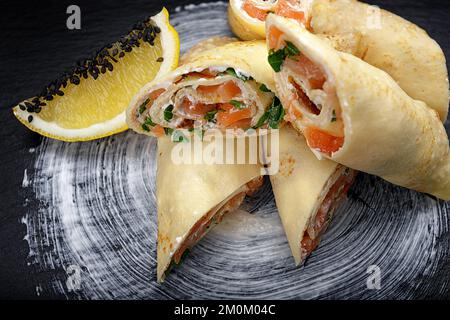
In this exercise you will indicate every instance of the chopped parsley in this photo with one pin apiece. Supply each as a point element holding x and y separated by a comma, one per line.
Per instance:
<point>148,123</point>
<point>273,116</point>
<point>291,49</point>
<point>210,116</point>
<point>143,106</point>
<point>277,57</point>
<point>240,76</point>
<point>264,88</point>
<point>237,104</point>
<point>262,120</point>
<point>168,113</point>
<point>168,131</point>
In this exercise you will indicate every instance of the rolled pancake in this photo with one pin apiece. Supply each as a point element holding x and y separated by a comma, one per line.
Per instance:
<point>357,115</point>
<point>384,40</point>
<point>223,88</point>
<point>390,43</point>
<point>307,192</point>
<point>247,17</point>
<point>192,198</point>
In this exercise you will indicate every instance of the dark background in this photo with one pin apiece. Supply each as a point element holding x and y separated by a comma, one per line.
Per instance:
<point>36,46</point>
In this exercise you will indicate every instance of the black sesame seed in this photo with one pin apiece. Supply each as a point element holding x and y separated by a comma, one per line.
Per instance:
<point>160,59</point>
<point>38,109</point>
<point>157,29</point>
<point>49,97</point>
<point>75,80</point>
<point>59,93</point>
<point>122,54</point>
<point>30,118</point>
<point>103,69</point>
<point>22,107</point>
<point>115,51</point>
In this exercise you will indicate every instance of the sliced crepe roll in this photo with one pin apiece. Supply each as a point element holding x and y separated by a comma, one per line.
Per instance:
<point>307,192</point>
<point>391,43</point>
<point>379,37</point>
<point>356,114</point>
<point>192,198</point>
<point>247,17</point>
<point>228,87</point>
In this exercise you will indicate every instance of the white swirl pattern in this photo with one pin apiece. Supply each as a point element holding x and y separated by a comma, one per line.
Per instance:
<point>97,211</point>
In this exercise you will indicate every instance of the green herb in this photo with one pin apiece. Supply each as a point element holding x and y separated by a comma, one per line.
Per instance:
<point>262,120</point>
<point>178,136</point>
<point>276,58</point>
<point>210,116</point>
<point>273,116</point>
<point>237,104</point>
<point>168,131</point>
<point>291,49</point>
<point>233,73</point>
<point>264,88</point>
<point>148,123</point>
<point>143,106</point>
<point>168,114</point>
<point>276,114</point>
<point>334,118</point>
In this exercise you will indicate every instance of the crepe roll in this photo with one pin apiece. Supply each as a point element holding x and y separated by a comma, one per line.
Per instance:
<point>247,17</point>
<point>307,192</point>
<point>192,197</point>
<point>356,114</point>
<point>228,87</point>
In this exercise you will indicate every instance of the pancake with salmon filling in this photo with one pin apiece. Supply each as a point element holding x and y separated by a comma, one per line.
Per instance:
<point>247,17</point>
<point>307,192</point>
<point>381,38</point>
<point>193,198</point>
<point>228,87</point>
<point>356,114</point>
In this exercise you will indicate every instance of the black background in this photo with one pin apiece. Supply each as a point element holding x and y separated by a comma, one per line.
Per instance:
<point>36,46</point>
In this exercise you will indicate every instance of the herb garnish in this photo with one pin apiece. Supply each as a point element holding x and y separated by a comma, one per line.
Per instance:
<point>264,88</point>
<point>148,122</point>
<point>240,76</point>
<point>277,57</point>
<point>273,116</point>
<point>143,106</point>
<point>168,114</point>
<point>168,131</point>
<point>237,104</point>
<point>291,49</point>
